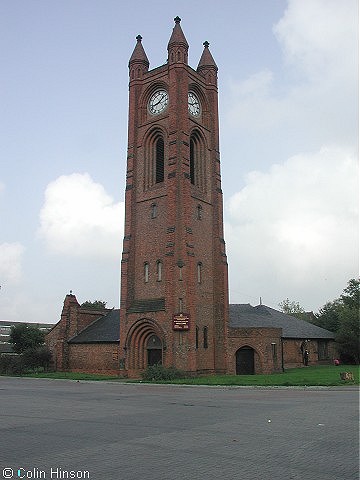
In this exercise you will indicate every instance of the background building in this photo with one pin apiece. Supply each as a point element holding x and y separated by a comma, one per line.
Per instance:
<point>5,330</point>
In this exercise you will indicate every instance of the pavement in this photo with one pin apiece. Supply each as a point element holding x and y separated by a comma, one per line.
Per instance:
<point>56,429</point>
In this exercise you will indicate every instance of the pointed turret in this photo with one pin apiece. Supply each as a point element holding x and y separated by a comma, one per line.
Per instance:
<point>178,46</point>
<point>138,63</point>
<point>207,66</point>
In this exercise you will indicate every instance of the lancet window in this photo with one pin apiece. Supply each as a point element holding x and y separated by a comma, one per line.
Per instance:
<point>154,160</point>
<point>197,161</point>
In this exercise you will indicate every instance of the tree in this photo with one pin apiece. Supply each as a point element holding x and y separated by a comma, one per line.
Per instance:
<point>28,343</point>
<point>24,337</point>
<point>329,316</point>
<point>347,336</point>
<point>95,305</point>
<point>292,308</point>
<point>341,316</point>
<point>351,294</point>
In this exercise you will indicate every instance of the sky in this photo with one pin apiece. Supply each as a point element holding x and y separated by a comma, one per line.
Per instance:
<point>288,106</point>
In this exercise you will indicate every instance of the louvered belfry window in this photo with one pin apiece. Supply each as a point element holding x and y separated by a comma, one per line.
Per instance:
<point>154,160</point>
<point>197,161</point>
<point>159,161</point>
<point>192,161</point>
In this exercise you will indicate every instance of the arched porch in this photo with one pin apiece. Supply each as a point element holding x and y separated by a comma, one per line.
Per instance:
<point>145,345</point>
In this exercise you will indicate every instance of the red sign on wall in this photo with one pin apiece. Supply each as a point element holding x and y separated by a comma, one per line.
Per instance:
<point>181,321</point>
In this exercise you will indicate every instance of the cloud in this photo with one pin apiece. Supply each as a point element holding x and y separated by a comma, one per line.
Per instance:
<point>292,231</point>
<point>254,107</point>
<point>256,84</point>
<point>318,37</point>
<point>312,100</point>
<point>80,219</point>
<point>11,262</point>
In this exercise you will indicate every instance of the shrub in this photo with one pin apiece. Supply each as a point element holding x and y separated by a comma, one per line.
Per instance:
<point>161,373</point>
<point>11,365</point>
<point>34,358</point>
<point>30,360</point>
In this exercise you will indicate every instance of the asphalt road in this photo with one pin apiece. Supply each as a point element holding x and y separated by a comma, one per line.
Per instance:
<point>57,429</point>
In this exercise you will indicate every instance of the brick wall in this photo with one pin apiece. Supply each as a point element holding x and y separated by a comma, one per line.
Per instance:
<point>293,356</point>
<point>264,341</point>
<point>72,321</point>
<point>94,358</point>
<point>176,236</point>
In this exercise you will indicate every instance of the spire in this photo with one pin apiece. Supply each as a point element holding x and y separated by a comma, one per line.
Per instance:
<point>178,46</point>
<point>207,66</point>
<point>138,56</point>
<point>206,60</point>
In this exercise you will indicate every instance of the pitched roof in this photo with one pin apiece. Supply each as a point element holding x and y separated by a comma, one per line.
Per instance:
<point>177,36</point>
<point>245,315</point>
<point>105,329</point>
<point>139,55</point>
<point>206,59</point>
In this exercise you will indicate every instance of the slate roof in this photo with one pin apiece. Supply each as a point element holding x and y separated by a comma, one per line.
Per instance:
<point>105,329</point>
<point>147,305</point>
<point>246,316</point>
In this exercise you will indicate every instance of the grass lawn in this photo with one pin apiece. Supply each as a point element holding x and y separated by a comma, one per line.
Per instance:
<point>327,375</point>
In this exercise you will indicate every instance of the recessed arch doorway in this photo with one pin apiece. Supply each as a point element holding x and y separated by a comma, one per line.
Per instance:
<point>154,350</point>
<point>245,361</point>
<point>144,345</point>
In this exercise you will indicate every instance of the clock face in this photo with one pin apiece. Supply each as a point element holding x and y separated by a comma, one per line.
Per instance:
<point>158,102</point>
<point>193,104</point>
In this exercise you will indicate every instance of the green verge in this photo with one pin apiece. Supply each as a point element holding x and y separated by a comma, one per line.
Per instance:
<point>70,376</point>
<point>306,376</point>
<point>326,375</point>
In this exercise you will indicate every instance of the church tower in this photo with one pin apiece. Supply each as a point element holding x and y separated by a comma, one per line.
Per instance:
<point>174,288</point>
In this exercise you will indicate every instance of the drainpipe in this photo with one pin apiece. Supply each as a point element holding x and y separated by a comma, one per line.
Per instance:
<point>282,355</point>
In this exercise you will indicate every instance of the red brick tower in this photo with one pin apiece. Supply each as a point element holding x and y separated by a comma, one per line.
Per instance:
<point>174,290</point>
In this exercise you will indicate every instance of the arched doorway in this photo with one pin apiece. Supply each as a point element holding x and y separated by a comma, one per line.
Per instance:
<point>144,345</point>
<point>154,350</point>
<point>245,361</point>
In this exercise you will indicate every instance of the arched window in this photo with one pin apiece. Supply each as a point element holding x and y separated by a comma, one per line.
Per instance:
<point>153,210</point>
<point>199,272</point>
<point>197,161</point>
<point>192,162</point>
<point>159,162</point>
<point>159,270</point>
<point>205,332</point>
<point>154,160</point>
<point>146,272</point>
